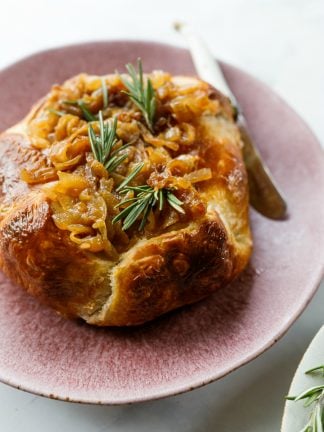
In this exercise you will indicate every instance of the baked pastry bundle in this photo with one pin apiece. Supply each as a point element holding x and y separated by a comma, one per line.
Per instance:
<point>124,197</point>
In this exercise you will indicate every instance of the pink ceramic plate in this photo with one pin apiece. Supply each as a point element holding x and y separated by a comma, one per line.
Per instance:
<point>45,354</point>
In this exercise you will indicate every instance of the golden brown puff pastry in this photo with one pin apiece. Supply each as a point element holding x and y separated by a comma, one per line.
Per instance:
<point>57,201</point>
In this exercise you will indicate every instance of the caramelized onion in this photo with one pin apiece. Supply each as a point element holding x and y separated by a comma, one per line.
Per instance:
<point>70,184</point>
<point>38,175</point>
<point>160,142</point>
<point>82,192</point>
<point>200,175</point>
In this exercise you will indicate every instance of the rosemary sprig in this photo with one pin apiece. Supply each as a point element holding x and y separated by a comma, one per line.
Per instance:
<point>316,369</point>
<point>313,396</point>
<point>144,201</point>
<point>103,145</point>
<point>141,93</point>
<point>104,93</point>
<point>85,110</point>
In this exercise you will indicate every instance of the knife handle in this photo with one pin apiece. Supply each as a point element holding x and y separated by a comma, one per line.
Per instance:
<point>204,63</point>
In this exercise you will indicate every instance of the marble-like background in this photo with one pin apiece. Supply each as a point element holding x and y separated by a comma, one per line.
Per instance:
<point>280,42</point>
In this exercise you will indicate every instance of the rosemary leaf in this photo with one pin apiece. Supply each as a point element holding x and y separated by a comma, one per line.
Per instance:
<point>134,214</point>
<point>94,143</point>
<point>104,93</point>
<point>102,145</point>
<point>115,161</point>
<point>175,202</point>
<point>144,201</point>
<point>161,199</point>
<point>316,369</point>
<point>126,201</point>
<point>141,94</point>
<point>124,212</point>
<point>313,396</point>
<point>123,147</point>
<point>85,111</point>
<point>148,208</point>
<point>130,177</point>
<point>140,189</point>
<point>318,418</point>
<point>309,392</point>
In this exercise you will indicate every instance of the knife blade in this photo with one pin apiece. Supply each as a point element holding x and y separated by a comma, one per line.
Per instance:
<point>265,195</point>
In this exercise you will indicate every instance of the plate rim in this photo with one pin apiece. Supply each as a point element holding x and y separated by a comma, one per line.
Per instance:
<point>180,389</point>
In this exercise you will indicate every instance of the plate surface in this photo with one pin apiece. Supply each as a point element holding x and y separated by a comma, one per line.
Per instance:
<point>45,354</point>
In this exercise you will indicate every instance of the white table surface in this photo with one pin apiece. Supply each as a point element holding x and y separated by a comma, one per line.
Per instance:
<point>279,41</point>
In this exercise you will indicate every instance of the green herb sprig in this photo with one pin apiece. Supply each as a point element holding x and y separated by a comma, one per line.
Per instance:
<point>313,396</point>
<point>105,96</point>
<point>316,369</point>
<point>86,113</point>
<point>144,201</point>
<point>103,145</point>
<point>141,93</point>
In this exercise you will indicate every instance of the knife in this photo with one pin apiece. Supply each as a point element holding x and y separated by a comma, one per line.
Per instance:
<point>265,196</point>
